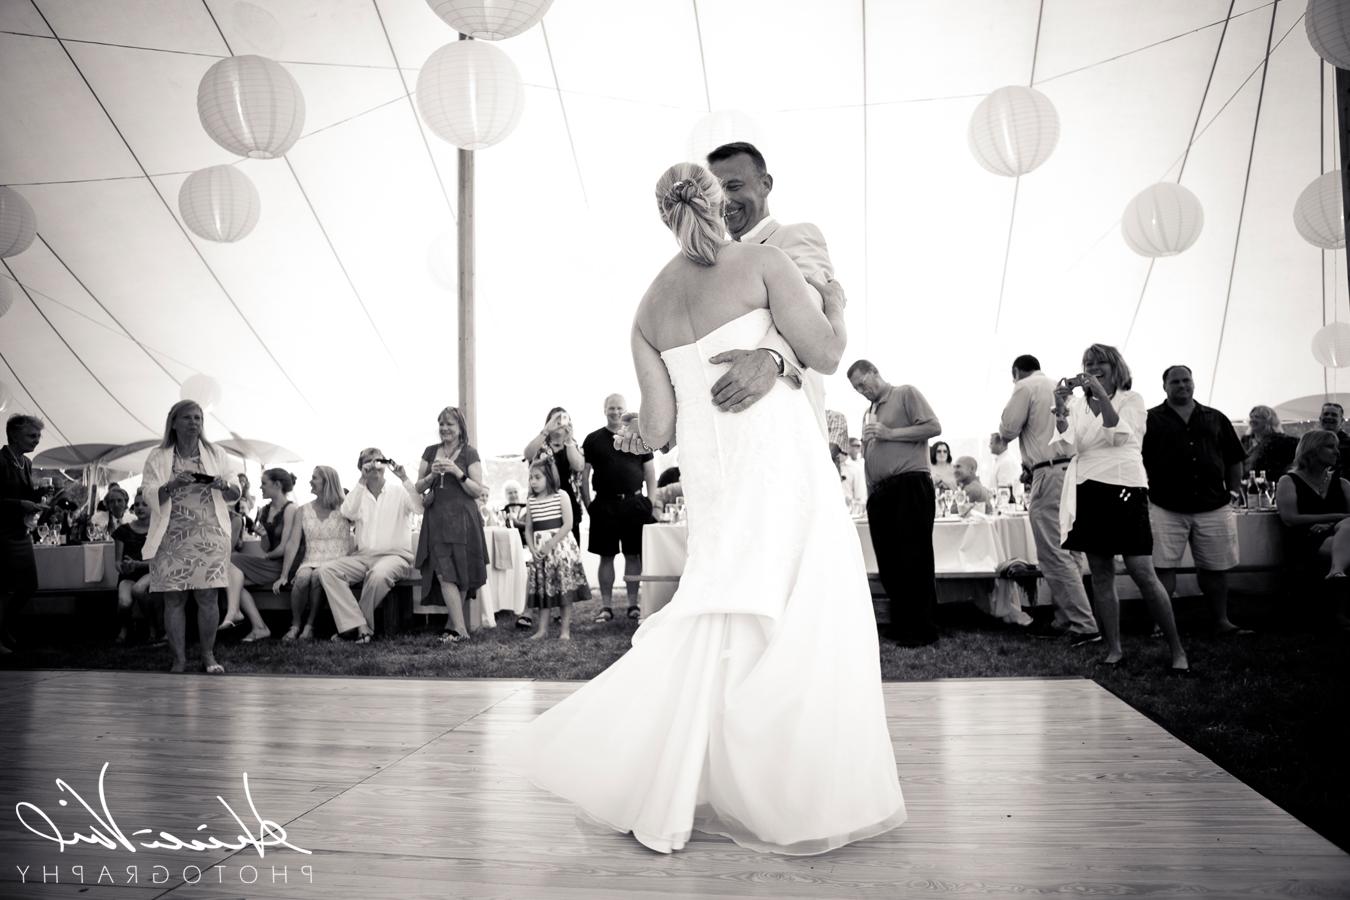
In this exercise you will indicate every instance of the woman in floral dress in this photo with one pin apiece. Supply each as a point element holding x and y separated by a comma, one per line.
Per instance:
<point>325,534</point>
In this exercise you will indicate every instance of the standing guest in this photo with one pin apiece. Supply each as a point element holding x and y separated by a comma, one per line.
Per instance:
<point>557,440</point>
<point>967,479</point>
<point>452,547</point>
<point>836,427</point>
<point>379,508</point>
<point>274,525</point>
<point>854,471</point>
<point>116,510</point>
<point>1332,419</point>
<point>1028,418</point>
<point>133,583</point>
<point>1194,464</point>
<point>900,500</point>
<point>322,534</point>
<point>1007,471</point>
<point>1268,448</point>
<point>556,578</point>
<point>187,480</point>
<point>19,500</point>
<point>940,466</point>
<point>1104,508</point>
<point>611,486</point>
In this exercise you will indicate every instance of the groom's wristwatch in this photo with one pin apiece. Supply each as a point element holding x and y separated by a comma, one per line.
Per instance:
<point>777,358</point>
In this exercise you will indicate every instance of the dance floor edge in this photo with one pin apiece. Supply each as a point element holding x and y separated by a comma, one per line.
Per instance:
<point>397,788</point>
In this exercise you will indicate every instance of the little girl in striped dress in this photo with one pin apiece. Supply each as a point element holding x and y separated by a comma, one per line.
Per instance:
<point>556,577</point>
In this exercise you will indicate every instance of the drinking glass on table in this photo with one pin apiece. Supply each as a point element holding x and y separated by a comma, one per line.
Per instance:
<point>44,530</point>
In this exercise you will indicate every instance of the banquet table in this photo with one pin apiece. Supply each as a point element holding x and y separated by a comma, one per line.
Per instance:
<point>506,579</point>
<point>78,567</point>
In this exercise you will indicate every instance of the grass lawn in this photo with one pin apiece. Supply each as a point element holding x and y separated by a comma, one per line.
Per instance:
<point>1270,708</point>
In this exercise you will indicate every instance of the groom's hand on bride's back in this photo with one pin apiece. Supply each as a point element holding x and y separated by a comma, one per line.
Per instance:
<point>751,376</point>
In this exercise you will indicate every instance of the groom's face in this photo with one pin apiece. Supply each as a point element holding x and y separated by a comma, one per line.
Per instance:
<point>747,192</point>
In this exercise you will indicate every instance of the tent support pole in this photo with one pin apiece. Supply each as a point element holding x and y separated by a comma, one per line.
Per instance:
<point>468,395</point>
<point>1343,134</point>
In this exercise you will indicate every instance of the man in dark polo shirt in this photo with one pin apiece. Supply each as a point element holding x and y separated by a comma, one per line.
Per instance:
<point>900,500</point>
<point>1194,463</point>
<point>1331,419</point>
<point>611,488</point>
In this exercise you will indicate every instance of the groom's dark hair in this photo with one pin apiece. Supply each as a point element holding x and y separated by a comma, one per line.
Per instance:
<point>727,151</point>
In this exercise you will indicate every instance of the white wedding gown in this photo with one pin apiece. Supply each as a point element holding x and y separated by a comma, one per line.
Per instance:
<point>751,705</point>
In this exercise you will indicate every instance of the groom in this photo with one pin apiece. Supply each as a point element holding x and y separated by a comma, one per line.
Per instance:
<point>746,182</point>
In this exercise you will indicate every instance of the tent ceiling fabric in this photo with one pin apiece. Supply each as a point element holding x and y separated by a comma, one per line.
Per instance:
<point>329,331</point>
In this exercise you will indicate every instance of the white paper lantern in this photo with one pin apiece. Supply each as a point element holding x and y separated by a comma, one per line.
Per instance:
<point>1014,130</point>
<point>18,223</point>
<point>723,126</point>
<point>469,94</point>
<point>1331,345</point>
<point>202,388</point>
<point>219,203</point>
<point>1162,220</point>
<point>1328,26</point>
<point>251,106</point>
<point>490,20</point>
<point>1319,212</point>
<point>259,28</point>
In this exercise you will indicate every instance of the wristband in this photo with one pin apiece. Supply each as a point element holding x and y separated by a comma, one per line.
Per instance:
<point>777,358</point>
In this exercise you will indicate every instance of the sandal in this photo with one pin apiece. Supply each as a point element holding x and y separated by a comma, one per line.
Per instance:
<point>307,633</point>
<point>605,615</point>
<point>524,622</point>
<point>363,639</point>
<point>291,634</point>
<point>453,637</point>
<point>634,612</point>
<point>214,668</point>
<point>255,636</point>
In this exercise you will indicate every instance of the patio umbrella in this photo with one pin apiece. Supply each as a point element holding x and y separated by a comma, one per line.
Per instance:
<point>264,453</point>
<point>1309,408</point>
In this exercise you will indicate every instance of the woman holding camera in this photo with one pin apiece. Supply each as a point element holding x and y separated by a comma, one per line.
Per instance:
<point>1103,511</point>
<point>189,486</point>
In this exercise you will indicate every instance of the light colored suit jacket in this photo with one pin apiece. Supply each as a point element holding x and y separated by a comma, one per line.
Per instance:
<point>805,244</point>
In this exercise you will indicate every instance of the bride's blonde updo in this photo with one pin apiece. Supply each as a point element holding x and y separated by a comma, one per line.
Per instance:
<point>690,200</point>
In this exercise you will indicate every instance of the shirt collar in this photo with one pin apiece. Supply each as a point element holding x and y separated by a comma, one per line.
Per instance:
<point>759,226</point>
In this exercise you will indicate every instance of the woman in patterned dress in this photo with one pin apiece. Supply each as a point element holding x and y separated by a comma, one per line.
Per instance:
<point>189,486</point>
<point>326,535</point>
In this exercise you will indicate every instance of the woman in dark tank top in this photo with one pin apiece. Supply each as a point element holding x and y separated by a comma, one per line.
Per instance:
<point>1315,505</point>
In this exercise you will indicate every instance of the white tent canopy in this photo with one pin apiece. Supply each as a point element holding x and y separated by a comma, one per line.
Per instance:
<point>329,330</point>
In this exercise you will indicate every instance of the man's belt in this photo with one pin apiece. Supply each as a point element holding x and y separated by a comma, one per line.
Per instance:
<point>1061,461</point>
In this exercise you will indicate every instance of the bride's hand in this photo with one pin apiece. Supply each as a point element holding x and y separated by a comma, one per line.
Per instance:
<point>831,291</point>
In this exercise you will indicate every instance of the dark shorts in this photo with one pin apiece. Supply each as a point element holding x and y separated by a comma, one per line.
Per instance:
<point>1111,520</point>
<point>616,524</point>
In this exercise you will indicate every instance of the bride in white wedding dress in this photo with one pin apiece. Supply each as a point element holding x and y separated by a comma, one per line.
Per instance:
<point>751,705</point>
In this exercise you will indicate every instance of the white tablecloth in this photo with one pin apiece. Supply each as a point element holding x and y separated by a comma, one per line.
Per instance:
<point>80,567</point>
<point>505,588</point>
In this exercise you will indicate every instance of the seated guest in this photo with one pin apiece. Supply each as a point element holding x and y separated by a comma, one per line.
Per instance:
<point>668,488</point>
<point>1007,471</point>
<point>1268,448</point>
<point>966,480</point>
<point>115,511</point>
<point>274,525</point>
<point>322,534</point>
<point>379,508</point>
<point>133,584</point>
<point>940,465</point>
<point>1314,506</point>
<point>512,511</point>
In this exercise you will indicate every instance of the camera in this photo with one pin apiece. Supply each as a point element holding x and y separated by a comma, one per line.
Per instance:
<point>387,461</point>
<point>203,478</point>
<point>1076,381</point>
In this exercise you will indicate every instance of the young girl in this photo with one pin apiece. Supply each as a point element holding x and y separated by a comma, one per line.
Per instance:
<point>556,577</point>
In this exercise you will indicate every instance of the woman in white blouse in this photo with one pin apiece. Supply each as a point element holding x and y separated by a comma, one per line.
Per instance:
<point>1103,511</point>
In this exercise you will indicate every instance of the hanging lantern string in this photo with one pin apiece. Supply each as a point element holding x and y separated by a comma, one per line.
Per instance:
<point>567,123</point>
<point>702,59</point>
<point>421,130</point>
<point>867,259</point>
<point>1200,111</point>
<point>79,359</point>
<point>1242,208</point>
<point>42,412</point>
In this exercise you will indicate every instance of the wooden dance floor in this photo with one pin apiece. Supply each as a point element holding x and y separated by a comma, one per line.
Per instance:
<point>1014,787</point>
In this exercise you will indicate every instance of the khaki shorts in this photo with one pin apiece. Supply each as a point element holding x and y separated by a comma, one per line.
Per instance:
<point>1212,537</point>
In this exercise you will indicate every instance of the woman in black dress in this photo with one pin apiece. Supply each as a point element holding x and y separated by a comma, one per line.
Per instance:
<point>452,547</point>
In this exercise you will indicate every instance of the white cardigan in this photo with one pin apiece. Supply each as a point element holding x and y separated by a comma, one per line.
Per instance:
<point>159,471</point>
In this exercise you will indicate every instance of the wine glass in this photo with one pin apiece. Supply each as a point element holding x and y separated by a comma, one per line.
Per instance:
<point>44,531</point>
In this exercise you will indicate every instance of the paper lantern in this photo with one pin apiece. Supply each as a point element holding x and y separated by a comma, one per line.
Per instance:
<point>490,20</point>
<point>1013,130</point>
<point>259,29</point>
<point>219,203</point>
<point>18,224</point>
<point>1162,220</point>
<point>469,94</point>
<point>251,106</point>
<point>1328,26</point>
<point>1331,345</point>
<point>6,296</point>
<point>202,388</point>
<point>1319,212</point>
<point>723,126</point>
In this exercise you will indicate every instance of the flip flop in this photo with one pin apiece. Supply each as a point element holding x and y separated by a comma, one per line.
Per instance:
<point>215,669</point>
<point>634,612</point>
<point>524,622</point>
<point>605,615</point>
